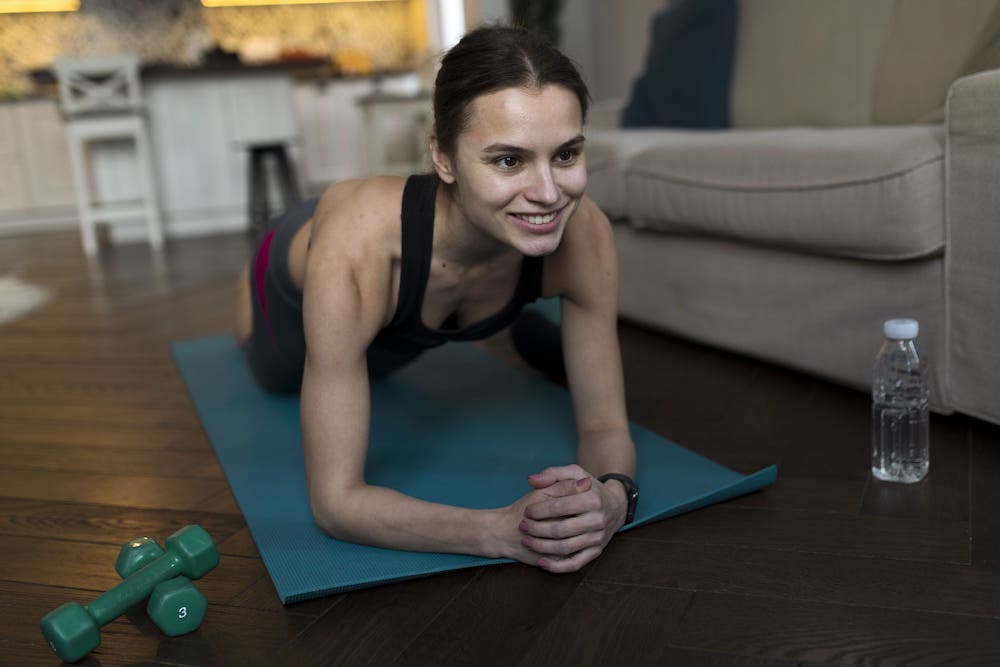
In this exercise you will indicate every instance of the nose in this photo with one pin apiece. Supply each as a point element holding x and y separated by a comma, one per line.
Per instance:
<point>542,188</point>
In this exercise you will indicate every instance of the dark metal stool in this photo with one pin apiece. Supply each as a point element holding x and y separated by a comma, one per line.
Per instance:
<point>257,193</point>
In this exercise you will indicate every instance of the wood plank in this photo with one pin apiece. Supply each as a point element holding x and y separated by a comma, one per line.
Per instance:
<point>130,436</point>
<point>833,436</point>
<point>505,596</point>
<point>374,626</point>
<point>604,624</point>
<point>820,533</point>
<point>143,461</point>
<point>984,493</point>
<point>102,524</point>
<point>818,578</point>
<point>812,633</point>
<point>790,493</point>
<point>175,493</point>
<point>84,570</point>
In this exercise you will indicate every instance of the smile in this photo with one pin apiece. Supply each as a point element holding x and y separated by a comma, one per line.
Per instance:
<point>539,219</point>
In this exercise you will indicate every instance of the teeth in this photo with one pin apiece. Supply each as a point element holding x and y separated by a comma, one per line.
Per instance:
<point>539,219</point>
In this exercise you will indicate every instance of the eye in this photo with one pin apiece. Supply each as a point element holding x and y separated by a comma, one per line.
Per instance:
<point>508,162</point>
<point>568,156</point>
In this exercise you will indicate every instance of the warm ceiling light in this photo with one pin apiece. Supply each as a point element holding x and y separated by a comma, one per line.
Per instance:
<point>25,6</point>
<point>257,3</point>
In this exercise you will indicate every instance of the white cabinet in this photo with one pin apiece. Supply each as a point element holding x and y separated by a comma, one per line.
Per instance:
<point>12,187</point>
<point>46,156</point>
<point>36,184</point>
<point>336,141</point>
<point>200,126</point>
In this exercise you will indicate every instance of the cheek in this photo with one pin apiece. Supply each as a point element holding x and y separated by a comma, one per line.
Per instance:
<point>574,181</point>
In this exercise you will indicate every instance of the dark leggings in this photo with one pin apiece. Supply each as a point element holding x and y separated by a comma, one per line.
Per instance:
<point>276,348</point>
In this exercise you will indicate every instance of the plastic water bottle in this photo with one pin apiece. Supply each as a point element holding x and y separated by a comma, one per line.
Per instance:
<point>900,409</point>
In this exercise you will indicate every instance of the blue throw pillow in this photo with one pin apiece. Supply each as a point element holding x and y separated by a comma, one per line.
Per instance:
<point>689,68</point>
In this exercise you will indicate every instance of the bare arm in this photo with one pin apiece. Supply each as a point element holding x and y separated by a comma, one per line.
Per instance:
<point>574,529</point>
<point>345,304</point>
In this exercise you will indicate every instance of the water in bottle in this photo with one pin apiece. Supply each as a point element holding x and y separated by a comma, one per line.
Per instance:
<point>900,410</point>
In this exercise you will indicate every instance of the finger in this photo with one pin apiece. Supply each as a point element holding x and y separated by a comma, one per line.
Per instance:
<point>563,500</point>
<point>563,548</point>
<point>561,529</point>
<point>556,473</point>
<point>571,564</point>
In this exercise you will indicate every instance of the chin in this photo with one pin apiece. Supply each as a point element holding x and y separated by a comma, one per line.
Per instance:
<point>539,246</point>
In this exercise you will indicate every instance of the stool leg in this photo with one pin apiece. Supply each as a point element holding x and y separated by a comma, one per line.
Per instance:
<point>286,174</point>
<point>82,189</point>
<point>257,195</point>
<point>153,223</point>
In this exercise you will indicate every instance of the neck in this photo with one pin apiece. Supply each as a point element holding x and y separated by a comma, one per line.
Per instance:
<point>458,241</point>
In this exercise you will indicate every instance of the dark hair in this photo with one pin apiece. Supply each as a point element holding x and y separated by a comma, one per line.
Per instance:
<point>491,58</point>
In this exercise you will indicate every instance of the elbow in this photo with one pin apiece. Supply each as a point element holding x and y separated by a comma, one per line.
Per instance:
<point>328,512</point>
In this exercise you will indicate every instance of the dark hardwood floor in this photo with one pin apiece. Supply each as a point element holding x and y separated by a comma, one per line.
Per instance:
<point>100,444</point>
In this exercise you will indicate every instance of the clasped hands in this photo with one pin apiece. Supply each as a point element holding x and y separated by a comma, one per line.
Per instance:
<point>565,521</point>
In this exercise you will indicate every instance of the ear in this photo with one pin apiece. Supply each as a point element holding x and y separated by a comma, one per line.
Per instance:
<point>442,163</point>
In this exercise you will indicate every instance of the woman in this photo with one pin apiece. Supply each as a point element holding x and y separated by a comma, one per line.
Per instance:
<point>380,269</point>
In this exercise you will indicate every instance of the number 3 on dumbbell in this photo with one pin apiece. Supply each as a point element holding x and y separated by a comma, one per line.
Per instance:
<point>182,612</point>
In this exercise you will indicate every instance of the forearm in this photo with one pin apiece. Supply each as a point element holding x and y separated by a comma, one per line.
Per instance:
<point>601,452</point>
<point>383,517</point>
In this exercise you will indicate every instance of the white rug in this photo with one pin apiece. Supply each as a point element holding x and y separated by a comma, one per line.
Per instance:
<point>18,298</point>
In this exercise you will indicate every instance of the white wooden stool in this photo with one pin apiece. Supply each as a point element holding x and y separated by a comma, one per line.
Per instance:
<point>101,100</point>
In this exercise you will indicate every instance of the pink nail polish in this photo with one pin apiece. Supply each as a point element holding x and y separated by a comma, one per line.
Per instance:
<point>523,526</point>
<point>582,482</point>
<point>542,563</point>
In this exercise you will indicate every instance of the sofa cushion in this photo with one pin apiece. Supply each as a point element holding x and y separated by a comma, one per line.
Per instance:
<point>807,62</point>
<point>688,68</point>
<point>607,154</point>
<point>873,193</point>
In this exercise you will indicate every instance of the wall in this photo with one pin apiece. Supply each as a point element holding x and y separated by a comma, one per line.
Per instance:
<point>390,35</point>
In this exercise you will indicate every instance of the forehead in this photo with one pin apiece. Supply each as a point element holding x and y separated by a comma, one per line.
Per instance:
<point>524,116</point>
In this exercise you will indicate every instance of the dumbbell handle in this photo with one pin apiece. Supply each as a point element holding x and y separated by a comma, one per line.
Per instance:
<point>134,589</point>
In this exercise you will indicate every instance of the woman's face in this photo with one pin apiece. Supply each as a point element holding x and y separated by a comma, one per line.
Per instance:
<point>518,166</point>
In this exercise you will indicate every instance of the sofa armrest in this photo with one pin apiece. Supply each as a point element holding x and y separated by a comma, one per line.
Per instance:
<point>605,114</point>
<point>972,246</point>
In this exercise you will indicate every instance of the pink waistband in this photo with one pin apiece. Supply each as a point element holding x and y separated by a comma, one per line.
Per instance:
<point>259,271</point>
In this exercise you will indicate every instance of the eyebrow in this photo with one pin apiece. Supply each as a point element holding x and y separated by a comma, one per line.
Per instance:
<point>510,148</point>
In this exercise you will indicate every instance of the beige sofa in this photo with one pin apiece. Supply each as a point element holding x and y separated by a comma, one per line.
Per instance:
<point>860,181</point>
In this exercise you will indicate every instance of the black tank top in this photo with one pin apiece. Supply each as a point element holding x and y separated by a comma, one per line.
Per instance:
<point>407,332</point>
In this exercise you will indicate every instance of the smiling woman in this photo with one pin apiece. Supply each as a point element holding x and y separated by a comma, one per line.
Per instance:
<point>361,281</point>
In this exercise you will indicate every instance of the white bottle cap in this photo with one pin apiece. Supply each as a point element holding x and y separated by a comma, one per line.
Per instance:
<point>901,329</point>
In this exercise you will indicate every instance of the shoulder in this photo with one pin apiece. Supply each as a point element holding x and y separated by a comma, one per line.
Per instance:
<point>356,216</point>
<point>354,241</point>
<point>587,252</point>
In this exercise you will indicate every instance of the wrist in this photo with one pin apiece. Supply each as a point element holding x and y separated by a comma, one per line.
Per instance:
<point>629,493</point>
<point>492,543</point>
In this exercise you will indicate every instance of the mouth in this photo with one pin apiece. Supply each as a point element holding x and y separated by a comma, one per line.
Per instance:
<point>539,223</point>
<point>538,219</point>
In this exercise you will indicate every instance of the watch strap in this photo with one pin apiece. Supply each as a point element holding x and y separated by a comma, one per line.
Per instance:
<point>631,492</point>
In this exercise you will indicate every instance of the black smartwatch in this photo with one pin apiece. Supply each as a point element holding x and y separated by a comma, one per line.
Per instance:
<point>631,491</point>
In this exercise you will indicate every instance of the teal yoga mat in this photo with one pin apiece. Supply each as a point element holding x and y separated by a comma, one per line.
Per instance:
<point>457,427</point>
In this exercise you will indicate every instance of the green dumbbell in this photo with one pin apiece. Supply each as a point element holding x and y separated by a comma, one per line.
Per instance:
<point>73,631</point>
<point>135,554</point>
<point>176,605</point>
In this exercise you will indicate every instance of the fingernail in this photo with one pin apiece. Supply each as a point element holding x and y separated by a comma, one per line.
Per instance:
<point>523,526</point>
<point>543,563</point>
<point>524,541</point>
<point>582,482</point>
